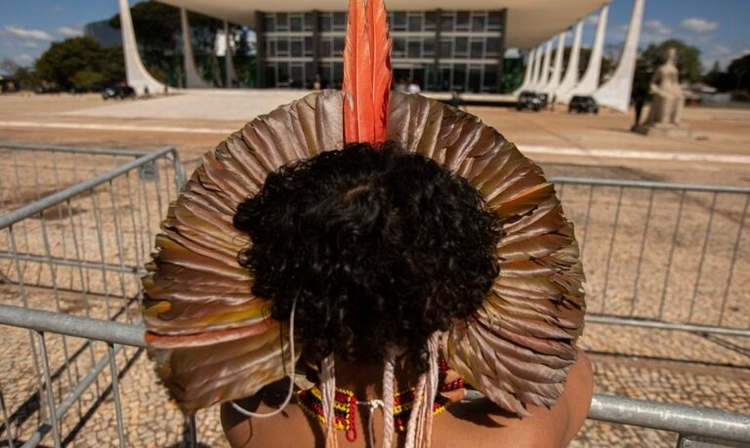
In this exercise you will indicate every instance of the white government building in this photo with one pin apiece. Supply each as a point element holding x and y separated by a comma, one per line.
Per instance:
<point>440,46</point>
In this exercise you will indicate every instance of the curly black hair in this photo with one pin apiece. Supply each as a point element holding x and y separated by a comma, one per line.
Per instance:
<point>377,246</point>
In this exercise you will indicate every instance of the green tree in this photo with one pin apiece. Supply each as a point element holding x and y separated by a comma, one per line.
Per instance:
<point>688,59</point>
<point>79,62</point>
<point>738,72</point>
<point>24,76</point>
<point>718,79</point>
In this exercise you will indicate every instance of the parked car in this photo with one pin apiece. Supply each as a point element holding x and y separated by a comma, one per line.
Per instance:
<point>584,104</point>
<point>120,91</point>
<point>528,101</point>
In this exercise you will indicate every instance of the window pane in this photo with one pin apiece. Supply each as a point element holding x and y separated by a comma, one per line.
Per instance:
<point>295,23</point>
<point>494,22</point>
<point>338,46</point>
<point>428,48</point>
<point>493,46</point>
<point>446,22</point>
<point>477,48</point>
<point>308,47</point>
<point>269,23</point>
<point>459,76</point>
<point>399,47</point>
<point>477,23</point>
<point>415,49</point>
<point>282,22</point>
<point>325,22</point>
<point>415,23</point>
<point>446,49</point>
<point>462,20</point>
<point>270,48</point>
<point>297,48</point>
<point>325,48</point>
<point>339,21</point>
<point>399,21</point>
<point>462,46</point>
<point>308,21</point>
<point>430,20</point>
<point>282,47</point>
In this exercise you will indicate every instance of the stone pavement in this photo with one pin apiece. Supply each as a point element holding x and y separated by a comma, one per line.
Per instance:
<point>660,365</point>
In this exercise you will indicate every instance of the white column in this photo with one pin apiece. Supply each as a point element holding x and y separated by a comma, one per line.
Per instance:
<point>590,80</point>
<point>527,75</point>
<point>544,80</point>
<point>537,69</point>
<point>136,74</point>
<point>228,62</point>
<point>554,81</point>
<point>193,79</point>
<point>571,73</point>
<point>615,93</point>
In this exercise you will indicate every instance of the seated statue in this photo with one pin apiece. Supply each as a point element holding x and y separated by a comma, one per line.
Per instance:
<point>668,100</point>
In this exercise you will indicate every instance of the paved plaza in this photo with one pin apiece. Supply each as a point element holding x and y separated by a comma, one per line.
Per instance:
<point>702,370</point>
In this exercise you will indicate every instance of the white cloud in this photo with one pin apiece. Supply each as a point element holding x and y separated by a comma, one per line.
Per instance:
<point>699,25</point>
<point>592,19</point>
<point>23,59</point>
<point>657,27</point>
<point>68,31</point>
<point>28,44</point>
<point>25,33</point>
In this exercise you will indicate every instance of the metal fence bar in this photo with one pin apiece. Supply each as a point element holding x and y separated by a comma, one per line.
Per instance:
<point>612,320</point>
<point>60,196</point>
<point>48,387</point>
<point>74,150</point>
<point>734,257</point>
<point>664,416</point>
<point>671,417</point>
<point>75,263</point>
<point>649,184</point>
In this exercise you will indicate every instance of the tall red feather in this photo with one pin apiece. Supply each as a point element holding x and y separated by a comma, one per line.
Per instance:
<point>367,72</point>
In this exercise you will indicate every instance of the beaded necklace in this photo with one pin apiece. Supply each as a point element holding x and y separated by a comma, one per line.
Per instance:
<point>345,407</point>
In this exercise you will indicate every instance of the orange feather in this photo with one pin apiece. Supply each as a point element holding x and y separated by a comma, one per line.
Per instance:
<point>367,72</point>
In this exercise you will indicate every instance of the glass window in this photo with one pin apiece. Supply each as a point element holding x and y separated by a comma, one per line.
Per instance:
<point>430,20</point>
<point>446,49</point>
<point>446,22</point>
<point>462,46</point>
<point>415,49</point>
<point>297,75</point>
<point>271,75</point>
<point>338,46</point>
<point>477,49</point>
<point>415,23</point>
<point>297,48</point>
<point>428,48</point>
<point>283,73</point>
<point>269,22</point>
<point>270,48</point>
<point>326,22</point>
<point>495,21</point>
<point>338,74</point>
<point>490,78</point>
<point>399,21</point>
<point>459,76</point>
<point>339,21</point>
<point>475,79</point>
<point>325,47</point>
<point>477,23</point>
<point>308,47</point>
<point>462,20</point>
<point>399,47</point>
<point>282,22</point>
<point>308,19</point>
<point>493,47</point>
<point>282,47</point>
<point>295,23</point>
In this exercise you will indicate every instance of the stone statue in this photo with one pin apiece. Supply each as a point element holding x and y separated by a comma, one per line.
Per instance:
<point>668,100</point>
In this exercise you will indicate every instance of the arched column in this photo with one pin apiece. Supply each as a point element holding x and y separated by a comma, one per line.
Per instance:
<point>537,68</point>
<point>615,93</point>
<point>545,77</point>
<point>554,81</point>
<point>193,79</point>
<point>528,73</point>
<point>231,74</point>
<point>136,74</point>
<point>571,73</point>
<point>590,80</point>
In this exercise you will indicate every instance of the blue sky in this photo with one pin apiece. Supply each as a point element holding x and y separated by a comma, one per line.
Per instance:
<point>719,28</point>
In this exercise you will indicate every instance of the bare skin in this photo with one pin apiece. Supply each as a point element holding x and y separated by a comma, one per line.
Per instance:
<point>477,424</point>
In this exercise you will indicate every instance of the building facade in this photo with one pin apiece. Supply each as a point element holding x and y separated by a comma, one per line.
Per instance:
<point>440,50</point>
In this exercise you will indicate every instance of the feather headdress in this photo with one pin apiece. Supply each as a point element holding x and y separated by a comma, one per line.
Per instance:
<point>212,339</point>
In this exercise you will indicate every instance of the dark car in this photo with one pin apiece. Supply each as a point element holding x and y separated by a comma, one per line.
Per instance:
<point>528,101</point>
<point>583,104</point>
<point>120,91</point>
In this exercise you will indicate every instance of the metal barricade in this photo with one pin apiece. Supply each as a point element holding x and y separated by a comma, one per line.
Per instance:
<point>663,255</point>
<point>77,227</point>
